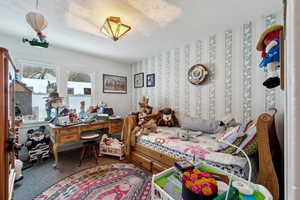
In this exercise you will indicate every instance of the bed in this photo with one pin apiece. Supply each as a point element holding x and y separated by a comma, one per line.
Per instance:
<point>156,153</point>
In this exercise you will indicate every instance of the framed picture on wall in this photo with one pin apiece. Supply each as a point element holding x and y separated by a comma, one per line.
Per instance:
<point>150,80</point>
<point>139,80</point>
<point>87,91</point>
<point>114,84</point>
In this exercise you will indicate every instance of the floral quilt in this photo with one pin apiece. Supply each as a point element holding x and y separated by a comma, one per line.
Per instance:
<point>203,148</point>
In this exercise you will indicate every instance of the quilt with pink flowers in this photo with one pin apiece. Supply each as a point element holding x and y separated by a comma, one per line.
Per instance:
<point>202,147</point>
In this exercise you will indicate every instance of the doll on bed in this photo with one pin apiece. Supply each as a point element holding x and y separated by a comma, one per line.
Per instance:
<point>145,124</point>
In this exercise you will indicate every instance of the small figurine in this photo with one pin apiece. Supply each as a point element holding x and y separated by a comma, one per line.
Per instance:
<point>73,116</point>
<point>82,110</point>
<point>53,102</point>
<point>18,115</point>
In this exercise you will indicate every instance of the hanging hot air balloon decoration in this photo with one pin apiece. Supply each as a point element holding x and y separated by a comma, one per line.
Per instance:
<point>38,23</point>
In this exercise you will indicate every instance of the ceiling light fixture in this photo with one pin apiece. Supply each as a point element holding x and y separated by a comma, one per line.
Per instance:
<point>114,29</point>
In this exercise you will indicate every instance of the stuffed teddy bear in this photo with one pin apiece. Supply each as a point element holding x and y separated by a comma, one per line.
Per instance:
<point>167,118</point>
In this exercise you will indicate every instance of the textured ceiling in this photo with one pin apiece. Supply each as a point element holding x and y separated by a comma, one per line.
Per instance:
<point>156,24</point>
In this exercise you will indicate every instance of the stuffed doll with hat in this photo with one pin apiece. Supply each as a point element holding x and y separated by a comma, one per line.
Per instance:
<point>269,45</point>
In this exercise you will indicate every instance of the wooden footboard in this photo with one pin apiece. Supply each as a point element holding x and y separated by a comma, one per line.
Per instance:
<point>268,151</point>
<point>157,161</point>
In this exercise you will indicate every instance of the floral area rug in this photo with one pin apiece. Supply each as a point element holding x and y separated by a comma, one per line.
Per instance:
<point>107,182</point>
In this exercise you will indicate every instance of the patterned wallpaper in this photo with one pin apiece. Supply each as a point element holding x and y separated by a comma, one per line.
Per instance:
<point>235,82</point>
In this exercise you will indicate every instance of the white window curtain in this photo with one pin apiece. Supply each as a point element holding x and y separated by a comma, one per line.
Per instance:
<point>62,83</point>
<point>96,89</point>
<point>77,85</point>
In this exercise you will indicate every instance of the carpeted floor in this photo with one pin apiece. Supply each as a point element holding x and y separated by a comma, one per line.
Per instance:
<point>42,175</point>
<point>118,181</point>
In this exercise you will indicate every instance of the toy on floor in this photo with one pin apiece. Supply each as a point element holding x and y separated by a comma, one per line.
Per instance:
<point>38,144</point>
<point>269,45</point>
<point>111,146</point>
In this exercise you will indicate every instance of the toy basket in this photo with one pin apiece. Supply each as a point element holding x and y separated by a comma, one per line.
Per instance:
<point>158,193</point>
<point>113,149</point>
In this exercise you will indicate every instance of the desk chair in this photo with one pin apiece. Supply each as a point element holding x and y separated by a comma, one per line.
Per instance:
<point>90,146</point>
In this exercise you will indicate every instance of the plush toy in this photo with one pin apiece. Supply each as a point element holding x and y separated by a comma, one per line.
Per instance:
<point>167,118</point>
<point>269,45</point>
<point>144,106</point>
<point>145,125</point>
<point>149,127</point>
<point>183,135</point>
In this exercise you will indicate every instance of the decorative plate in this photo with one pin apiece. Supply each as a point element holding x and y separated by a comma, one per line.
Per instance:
<point>197,74</point>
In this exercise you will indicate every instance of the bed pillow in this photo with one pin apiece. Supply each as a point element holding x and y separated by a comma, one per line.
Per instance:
<point>235,136</point>
<point>203,125</point>
<point>249,144</point>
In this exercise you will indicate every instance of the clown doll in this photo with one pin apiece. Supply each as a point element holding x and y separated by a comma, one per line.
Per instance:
<point>269,45</point>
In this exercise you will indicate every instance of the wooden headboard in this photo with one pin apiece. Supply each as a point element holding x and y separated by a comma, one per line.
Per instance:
<point>269,152</point>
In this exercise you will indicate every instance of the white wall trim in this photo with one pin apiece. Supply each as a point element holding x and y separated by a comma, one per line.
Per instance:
<point>292,125</point>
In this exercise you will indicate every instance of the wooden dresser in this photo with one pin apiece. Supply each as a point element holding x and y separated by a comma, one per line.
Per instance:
<point>61,135</point>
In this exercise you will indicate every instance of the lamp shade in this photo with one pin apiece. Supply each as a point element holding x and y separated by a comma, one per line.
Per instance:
<point>114,29</point>
<point>37,21</point>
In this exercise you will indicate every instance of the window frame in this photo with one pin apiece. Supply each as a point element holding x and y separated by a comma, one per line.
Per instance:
<point>30,63</point>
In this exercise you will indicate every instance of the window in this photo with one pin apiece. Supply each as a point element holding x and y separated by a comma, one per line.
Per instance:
<point>79,89</point>
<point>41,81</point>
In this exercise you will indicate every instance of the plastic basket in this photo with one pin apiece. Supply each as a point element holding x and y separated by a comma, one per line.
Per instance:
<point>159,193</point>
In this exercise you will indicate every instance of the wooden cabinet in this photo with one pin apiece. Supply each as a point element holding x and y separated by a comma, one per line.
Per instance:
<point>7,124</point>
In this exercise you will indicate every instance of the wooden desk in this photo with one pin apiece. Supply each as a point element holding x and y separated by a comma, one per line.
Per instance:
<point>61,135</point>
